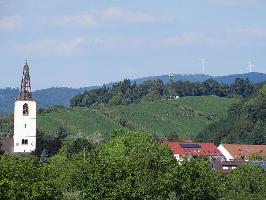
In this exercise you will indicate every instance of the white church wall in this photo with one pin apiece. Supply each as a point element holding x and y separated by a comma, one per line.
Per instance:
<point>24,127</point>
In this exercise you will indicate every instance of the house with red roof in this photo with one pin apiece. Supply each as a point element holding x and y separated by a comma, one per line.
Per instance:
<point>182,150</point>
<point>241,151</point>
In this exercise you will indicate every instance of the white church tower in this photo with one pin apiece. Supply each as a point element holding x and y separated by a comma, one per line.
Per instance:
<point>25,116</point>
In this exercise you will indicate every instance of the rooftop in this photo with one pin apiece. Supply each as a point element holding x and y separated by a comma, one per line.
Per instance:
<point>238,150</point>
<point>194,149</point>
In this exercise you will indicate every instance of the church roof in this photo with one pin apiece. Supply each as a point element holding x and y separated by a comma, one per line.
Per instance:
<point>25,88</point>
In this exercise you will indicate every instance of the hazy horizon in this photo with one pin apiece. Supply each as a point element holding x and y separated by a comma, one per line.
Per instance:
<point>114,81</point>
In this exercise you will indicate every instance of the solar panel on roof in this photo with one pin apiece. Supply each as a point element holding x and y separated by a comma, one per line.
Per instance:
<point>186,145</point>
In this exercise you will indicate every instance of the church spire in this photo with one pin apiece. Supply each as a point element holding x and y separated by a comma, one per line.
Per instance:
<point>25,89</point>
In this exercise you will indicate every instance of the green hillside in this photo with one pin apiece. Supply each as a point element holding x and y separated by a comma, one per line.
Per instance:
<point>188,115</point>
<point>77,121</point>
<point>185,115</point>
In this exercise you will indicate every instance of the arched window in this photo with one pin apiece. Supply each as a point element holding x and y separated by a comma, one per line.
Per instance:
<point>25,110</point>
<point>25,141</point>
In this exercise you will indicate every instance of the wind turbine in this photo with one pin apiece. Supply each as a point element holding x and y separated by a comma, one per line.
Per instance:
<point>203,65</point>
<point>250,66</point>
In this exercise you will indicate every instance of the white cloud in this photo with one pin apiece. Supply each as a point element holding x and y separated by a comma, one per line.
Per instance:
<point>194,38</point>
<point>186,38</point>
<point>81,19</point>
<point>110,15</point>
<point>117,14</point>
<point>9,23</point>
<point>248,32</point>
<point>52,47</point>
<point>57,47</point>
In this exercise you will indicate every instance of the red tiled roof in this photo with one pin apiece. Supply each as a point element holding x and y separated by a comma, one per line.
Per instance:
<point>238,150</point>
<point>206,149</point>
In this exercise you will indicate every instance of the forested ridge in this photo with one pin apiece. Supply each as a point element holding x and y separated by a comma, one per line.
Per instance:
<point>62,95</point>
<point>127,92</point>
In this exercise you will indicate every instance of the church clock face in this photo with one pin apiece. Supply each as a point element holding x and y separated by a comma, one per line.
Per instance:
<point>17,143</point>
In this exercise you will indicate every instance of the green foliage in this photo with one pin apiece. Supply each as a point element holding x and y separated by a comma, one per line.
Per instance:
<point>21,177</point>
<point>76,122</point>
<point>256,157</point>
<point>6,126</point>
<point>72,147</point>
<point>186,115</point>
<point>125,92</point>
<point>247,182</point>
<point>130,166</point>
<point>242,87</point>
<point>263,90</point>
<point>133,166</point>
<point>245,123</point>
<point>62,171</point>
<point>195,179</point>
<point>172,137</point>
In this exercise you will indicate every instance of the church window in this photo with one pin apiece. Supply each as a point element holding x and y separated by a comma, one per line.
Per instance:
<point>25,110</point>
<point>24,141</point>
<point>25,125</point>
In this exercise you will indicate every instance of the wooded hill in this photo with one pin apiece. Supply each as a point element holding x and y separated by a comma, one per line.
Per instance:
<point>185,116</point>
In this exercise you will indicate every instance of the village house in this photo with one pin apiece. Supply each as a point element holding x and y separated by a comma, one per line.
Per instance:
<point>183,150</point>
<point>224,166</point>
<point>241,151</point>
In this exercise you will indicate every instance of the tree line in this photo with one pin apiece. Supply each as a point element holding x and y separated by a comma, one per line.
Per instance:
<point>126,92</point>
<point>130,165</point>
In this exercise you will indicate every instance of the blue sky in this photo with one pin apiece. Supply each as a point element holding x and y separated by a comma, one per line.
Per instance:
<point>91,42</point>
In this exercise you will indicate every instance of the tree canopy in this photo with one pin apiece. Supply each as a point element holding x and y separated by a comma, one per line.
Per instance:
<point>126,92</point>
<point>131,165</point>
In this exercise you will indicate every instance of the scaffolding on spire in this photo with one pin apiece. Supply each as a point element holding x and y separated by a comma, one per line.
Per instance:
<point>25,89</point>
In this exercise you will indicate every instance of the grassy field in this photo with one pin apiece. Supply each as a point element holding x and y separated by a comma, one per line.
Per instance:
<point>77,121</point>
<point>188,115</point>
<point>185,115</point>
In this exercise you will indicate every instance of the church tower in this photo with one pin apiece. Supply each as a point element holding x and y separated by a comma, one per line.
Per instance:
<point>25,116</point>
